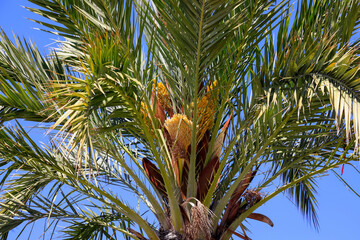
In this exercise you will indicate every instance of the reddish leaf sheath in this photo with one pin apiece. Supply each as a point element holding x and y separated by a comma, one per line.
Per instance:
<point>154,176</point>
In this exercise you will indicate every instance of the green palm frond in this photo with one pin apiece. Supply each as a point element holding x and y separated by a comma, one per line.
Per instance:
<point>315,60</point>
<point>318,54</point>
<point>52,166</point>
<point>25,75</point>
<point>96,226</point>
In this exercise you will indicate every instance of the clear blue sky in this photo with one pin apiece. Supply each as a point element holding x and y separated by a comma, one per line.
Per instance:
<point>339,209</point>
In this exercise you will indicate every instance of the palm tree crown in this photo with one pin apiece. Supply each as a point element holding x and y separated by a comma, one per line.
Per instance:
<point>195,107</point>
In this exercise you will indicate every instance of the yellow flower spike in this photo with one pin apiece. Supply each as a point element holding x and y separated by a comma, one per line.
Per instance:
<point>179,128</point>
<point>163,96</point>
<point>145,113</point>
<point>206,109</point>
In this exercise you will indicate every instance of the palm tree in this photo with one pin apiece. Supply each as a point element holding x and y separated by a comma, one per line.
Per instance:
<point>195,107</point>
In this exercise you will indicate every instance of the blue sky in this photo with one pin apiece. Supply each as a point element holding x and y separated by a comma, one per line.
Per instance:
<point>339,208</point>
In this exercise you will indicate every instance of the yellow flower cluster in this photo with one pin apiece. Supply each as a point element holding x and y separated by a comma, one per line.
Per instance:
<point>163,96</point>
<point>179,128</point>
<point>206,109</point>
